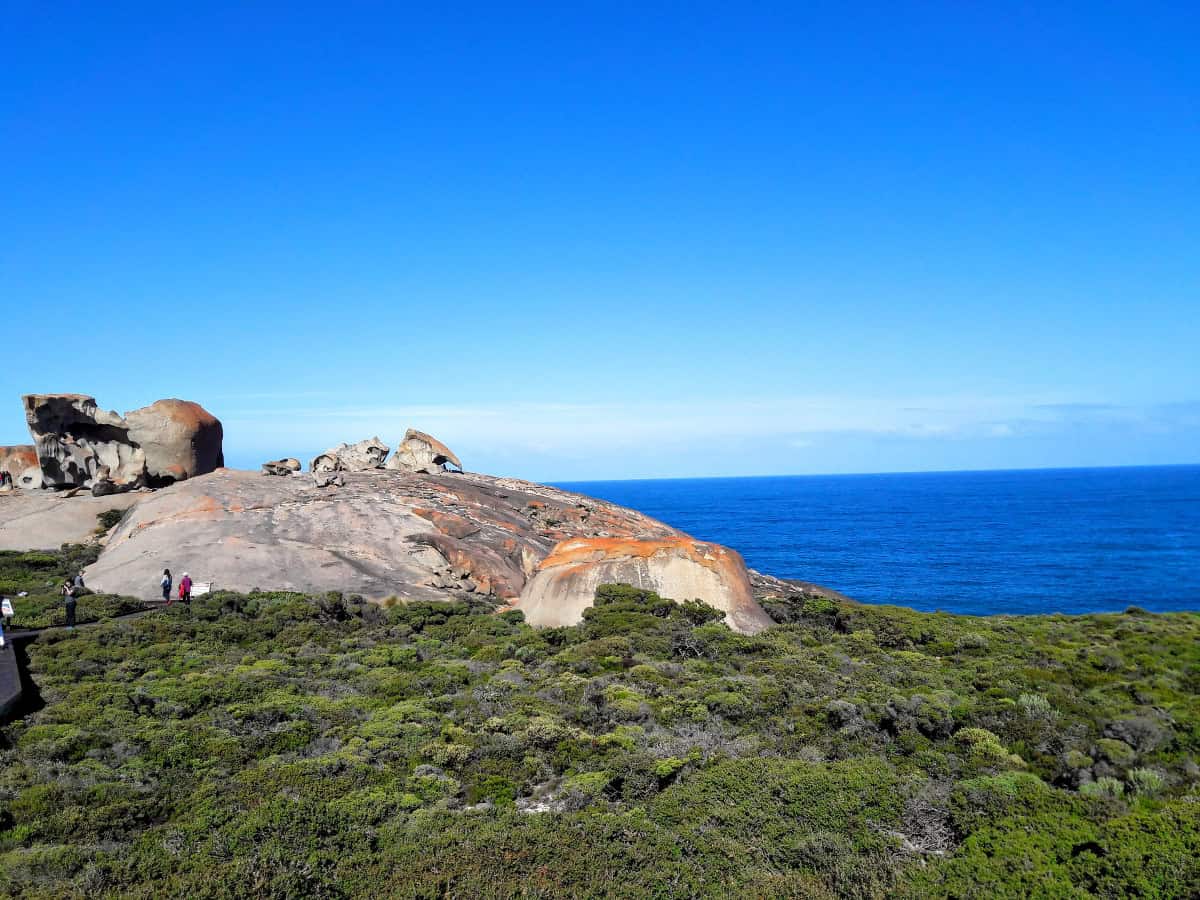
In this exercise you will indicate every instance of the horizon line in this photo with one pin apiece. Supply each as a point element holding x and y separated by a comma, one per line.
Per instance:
<point>1182,465</point>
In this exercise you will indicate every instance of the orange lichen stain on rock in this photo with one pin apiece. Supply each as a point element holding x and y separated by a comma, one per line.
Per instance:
<point>205,503</point>
<point>17,459</point>
<point>576,551</point>
<point>185,412</point>
<point>202,507</point>
<point>447,523</point>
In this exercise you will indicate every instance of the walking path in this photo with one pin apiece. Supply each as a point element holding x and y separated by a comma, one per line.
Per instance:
<point>25,634</point>
<point>10,669</point>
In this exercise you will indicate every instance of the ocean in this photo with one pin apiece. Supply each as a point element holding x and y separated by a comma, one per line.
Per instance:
<point>1028,541</point>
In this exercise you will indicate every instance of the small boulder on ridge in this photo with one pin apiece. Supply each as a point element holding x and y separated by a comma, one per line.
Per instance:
<point>420,452</point>
<point>361,457</point>
<point>287,466</point>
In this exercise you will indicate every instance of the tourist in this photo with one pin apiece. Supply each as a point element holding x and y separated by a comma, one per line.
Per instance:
<point>185,589</point>
<point>79,585</point>
<point>165,584</point>
<point>68,592</point>
<point>6,611</point>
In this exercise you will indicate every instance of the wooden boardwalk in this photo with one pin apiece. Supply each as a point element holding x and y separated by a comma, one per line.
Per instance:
<point>10,678</point>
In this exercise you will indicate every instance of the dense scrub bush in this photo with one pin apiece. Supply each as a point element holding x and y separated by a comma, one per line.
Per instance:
<point>278,745</point>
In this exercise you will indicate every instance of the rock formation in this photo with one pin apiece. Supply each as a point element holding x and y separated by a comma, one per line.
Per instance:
<point>361,457</point>
<point>419,452</point>
<point>80,445</point>
<point>17,459</point>
<point>288,466</point>
<point>382,534</point>
<point>21,462</point>
<point>181,439</point>
<point>677,567</point>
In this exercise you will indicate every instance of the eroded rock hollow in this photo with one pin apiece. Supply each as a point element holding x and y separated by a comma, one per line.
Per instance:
<point>78,444</point>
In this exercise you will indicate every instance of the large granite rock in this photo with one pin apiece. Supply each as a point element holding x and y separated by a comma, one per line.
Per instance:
<point>361,457</point>
<point>420,452</point>
<point>677,567</point>
<point>181,439</point>
<point>80,445</point>
<point>381,534</point>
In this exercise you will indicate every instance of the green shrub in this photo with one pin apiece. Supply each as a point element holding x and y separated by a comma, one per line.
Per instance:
<point>108,519</point>
<point>1146,782</point>
<point>1104,787</point>
<point>320,746</point>
<point>1116,752</point>
<point>977,802</point>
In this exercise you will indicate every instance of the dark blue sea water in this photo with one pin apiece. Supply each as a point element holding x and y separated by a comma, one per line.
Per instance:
<point>1031,541</point>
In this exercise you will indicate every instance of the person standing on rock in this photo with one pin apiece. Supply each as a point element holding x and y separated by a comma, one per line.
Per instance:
<point>165,584</point>
<point>69,599</point>
<point>79,580</point>
<point>185,589</point>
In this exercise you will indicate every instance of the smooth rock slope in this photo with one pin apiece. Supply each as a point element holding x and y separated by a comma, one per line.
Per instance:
<point>44,520</point>
<point>414,536</point>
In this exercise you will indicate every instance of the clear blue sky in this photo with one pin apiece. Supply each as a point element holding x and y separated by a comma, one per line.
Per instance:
<point>582,241</point>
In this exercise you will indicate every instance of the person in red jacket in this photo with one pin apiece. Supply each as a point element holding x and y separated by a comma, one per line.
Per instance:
<point>185,588</point>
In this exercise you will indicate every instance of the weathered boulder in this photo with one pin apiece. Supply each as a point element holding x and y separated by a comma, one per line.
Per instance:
<point>75,439</point>
<point>287,466</point>
<point>420,452</point>
<point>325,462</point>
<point>78,443</point>
<point>30,479</point>
<point>103,486</point>
<point>361,457</point>
<point>677,567</point>
<point>181,439</point>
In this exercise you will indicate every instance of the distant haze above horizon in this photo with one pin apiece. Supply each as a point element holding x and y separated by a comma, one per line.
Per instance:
<point>593,244</point>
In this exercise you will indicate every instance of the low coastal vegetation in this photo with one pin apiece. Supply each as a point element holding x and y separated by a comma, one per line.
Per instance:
<point>39,577</point>
<point>282,745</point>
